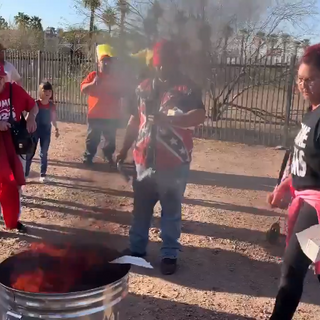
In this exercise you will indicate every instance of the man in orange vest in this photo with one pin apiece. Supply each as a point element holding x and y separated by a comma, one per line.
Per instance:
<point>103,109</point>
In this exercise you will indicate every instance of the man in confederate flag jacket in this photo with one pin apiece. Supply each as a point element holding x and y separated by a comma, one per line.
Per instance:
<point>161,125</point>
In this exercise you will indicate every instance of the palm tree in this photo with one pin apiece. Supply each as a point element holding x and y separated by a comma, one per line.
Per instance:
<point>157,10</point>
<point>124,9</point>
<point>150,28</point>
<point>109,17</point>
<point>244,34</point>
<point>273,40</point>
<point>150,23</point>
<point>181,20</point>
<point>3,23</point>
<point>22,20</point>
<point>305,43</point>
<point>260,37</point>
<point>286,39</point>
<point>203,5</point>
<point>35,23</point>
<point>92,5</point>
<point>227,32</point>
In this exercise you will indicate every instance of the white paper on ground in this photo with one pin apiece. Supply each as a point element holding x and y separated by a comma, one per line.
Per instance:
<point>309,240</point>
<point>139,262</point>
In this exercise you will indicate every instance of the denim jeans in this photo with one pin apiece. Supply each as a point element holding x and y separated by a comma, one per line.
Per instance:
<point>23,162</point>
<point>43,134</point>
<point>168,187</point>
<point>107,128</point>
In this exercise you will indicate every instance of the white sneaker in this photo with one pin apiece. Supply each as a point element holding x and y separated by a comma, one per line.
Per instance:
<point>22,189</point>
<point>43,179</point>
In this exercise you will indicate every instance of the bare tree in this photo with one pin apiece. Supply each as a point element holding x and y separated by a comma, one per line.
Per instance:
<point>247,30</point>
<point>269,44</point>
<point>74,39</point>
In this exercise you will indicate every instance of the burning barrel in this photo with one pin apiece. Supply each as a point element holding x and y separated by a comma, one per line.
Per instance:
<point>70,282</point>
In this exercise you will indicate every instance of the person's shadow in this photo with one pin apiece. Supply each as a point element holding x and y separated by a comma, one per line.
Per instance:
<point>151,308</point>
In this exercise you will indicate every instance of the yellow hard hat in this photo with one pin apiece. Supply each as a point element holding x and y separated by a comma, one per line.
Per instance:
<point>105,50</point>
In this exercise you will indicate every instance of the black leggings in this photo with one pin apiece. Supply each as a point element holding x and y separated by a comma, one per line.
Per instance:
<point>294,269</point>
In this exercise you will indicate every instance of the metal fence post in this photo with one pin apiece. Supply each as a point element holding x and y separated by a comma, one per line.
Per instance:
<point>289,99</point>
<point>39,68</point>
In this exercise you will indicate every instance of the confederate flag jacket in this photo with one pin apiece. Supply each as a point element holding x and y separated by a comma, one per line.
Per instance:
<point>173,144</point>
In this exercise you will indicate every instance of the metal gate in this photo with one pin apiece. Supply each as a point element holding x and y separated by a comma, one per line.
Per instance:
<point>253,103</point>
<point>246,101</point>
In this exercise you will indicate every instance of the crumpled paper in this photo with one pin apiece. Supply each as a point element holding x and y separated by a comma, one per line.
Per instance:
<point>309,241</point>
<point>139,262</point>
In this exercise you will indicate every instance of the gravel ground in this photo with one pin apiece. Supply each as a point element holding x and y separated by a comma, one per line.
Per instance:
<point>227,270</point>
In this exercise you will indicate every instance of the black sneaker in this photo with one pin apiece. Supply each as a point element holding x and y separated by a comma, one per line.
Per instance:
<point>87,162</point>
<point>127,252</point>
<point>109,160</point>
<point>168,266</point>
<point>21,228</point>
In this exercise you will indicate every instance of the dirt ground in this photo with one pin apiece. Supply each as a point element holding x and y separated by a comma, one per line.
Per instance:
<point>227,270</point>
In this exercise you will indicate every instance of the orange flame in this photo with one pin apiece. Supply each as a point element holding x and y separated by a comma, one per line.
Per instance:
<point>69,269</point>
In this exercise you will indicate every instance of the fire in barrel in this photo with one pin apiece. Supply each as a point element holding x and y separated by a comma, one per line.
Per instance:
<point>59,270</point>
<point>68,281</point>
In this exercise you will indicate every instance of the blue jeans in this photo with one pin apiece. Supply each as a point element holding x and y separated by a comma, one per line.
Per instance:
<point>168,187</point>
<point>97,128</point>
<point>43,134</point>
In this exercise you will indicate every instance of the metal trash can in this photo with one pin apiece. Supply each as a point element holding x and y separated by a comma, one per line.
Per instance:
<point>102,303</point>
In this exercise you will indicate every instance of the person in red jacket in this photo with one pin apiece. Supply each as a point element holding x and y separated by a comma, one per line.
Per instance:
<point>12,173</point>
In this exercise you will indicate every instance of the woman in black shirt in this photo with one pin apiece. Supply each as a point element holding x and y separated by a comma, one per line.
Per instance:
<point>304,179</point>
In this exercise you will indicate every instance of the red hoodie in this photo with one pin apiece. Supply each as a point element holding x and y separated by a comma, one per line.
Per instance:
<point>11,178</point>
<point>11,170</point>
